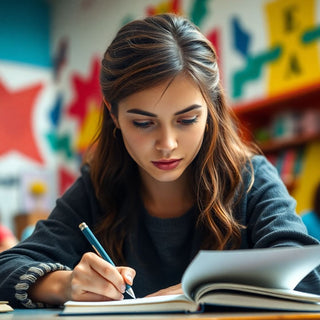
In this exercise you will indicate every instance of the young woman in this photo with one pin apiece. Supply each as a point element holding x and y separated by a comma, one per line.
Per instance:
<point>168,175</point>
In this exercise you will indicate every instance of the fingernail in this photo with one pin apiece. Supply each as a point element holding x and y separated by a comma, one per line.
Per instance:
<point>129,278</point>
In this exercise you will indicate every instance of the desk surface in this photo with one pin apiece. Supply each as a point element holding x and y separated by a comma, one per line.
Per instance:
<point>53,315</point>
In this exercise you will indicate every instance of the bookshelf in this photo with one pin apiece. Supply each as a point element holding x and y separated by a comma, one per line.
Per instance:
<point>274,146</point>
<point>282,126</point>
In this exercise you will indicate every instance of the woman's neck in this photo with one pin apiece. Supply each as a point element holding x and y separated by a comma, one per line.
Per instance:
<point>167,199</point>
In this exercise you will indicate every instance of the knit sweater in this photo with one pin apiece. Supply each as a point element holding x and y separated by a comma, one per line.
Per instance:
<point>158,249</point>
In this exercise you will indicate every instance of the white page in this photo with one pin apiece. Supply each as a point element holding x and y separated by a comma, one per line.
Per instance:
<point>281,268</point>
<point>138,301</point>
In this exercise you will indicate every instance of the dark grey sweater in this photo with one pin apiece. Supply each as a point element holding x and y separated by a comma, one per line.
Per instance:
<point>158,249</point>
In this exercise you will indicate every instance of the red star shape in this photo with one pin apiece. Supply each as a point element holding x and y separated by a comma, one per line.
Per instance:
<point>86,91</point>
<point>215,36</point>
<point>66,179</point>
<point>16,131</point>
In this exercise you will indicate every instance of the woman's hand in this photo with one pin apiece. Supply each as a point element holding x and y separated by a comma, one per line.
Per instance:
<point>93,279</point>
<point>176,289</point>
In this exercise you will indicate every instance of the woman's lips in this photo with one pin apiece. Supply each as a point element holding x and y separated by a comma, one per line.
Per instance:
<point>166,164</point>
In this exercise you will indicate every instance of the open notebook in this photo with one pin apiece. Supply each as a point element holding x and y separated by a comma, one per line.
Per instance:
<point>254,278</point>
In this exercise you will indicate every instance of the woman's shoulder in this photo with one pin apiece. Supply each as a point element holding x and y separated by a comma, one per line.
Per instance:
<point>80,198</point>
<point>261,166</point>
<point>85,170</point>
<point>82,187</point>
<point>259,160</point>
<point>262,174</point>
<point>83,178</point>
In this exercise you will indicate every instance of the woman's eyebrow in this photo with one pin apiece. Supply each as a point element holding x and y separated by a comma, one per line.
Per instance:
<point>150,114</point>
<point>142,112</point>
<point>194,106</point>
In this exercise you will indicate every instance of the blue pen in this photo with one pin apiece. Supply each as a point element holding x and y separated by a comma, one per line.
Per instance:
<point>100,251</point>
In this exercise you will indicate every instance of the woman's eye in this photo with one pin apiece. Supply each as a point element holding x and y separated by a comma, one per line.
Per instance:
<point>186,121</point>
<point>142,124</point>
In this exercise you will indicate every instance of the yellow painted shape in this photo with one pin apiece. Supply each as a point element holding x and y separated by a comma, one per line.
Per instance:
<point>309,178</point>
<point>299,63</point>
<point>89,127</point>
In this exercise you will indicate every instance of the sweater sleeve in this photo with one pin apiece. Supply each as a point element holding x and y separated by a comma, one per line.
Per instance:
<point>56,244</point>
<point>271,218</point>
<point>29,277</point>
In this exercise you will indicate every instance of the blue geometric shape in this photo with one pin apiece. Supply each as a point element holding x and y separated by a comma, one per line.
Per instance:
<point>55,113</point>
<point>24,32</point>
<point>241,38</point>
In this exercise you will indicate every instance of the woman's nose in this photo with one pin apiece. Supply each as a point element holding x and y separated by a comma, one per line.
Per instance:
<point>166,141</point>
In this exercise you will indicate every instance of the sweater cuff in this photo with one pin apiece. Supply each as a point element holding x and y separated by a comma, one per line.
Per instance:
<point>29,278</point>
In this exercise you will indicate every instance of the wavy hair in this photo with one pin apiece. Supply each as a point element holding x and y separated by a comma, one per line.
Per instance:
<point>145,53</point>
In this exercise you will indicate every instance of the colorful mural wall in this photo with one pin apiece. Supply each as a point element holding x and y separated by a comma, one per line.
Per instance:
<point>293,41</point>
<point>49,74</point>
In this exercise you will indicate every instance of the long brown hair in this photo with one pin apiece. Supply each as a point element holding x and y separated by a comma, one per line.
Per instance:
<point>145,53</point>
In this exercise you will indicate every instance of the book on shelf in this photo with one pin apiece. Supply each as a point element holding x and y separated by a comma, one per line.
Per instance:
<point>250,278</point>
<point>4,307</point>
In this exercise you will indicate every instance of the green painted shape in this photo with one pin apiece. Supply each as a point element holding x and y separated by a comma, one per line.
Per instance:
<point>253,68</point>
<point>62,143</point>
<point>126,19</point>
<point>311,35</point>
<point>199,11</point>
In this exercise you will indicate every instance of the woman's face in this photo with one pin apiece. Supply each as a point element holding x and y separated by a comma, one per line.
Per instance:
<point>163,128</point>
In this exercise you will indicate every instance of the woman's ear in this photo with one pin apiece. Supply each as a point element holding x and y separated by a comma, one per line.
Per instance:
<point>108,105</point>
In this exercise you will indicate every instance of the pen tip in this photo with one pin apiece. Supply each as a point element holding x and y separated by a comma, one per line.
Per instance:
<point>131,293</point>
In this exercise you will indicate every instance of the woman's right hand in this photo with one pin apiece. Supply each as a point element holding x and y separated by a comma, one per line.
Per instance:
<point>93,279</point>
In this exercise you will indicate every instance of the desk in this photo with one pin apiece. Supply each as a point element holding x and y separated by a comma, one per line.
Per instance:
<point>53,315</point>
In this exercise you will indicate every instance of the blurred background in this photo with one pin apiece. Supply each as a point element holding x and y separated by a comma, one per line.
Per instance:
<point>269,57</point>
